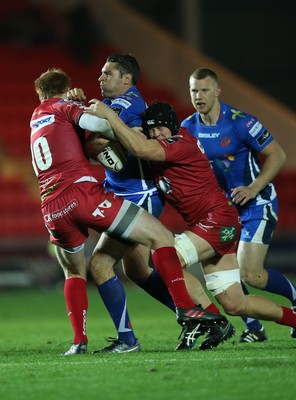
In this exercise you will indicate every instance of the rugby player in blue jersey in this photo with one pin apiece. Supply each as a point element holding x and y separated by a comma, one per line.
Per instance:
<point>232,141</point>
<point>118,82</point>
<point>135,182</point>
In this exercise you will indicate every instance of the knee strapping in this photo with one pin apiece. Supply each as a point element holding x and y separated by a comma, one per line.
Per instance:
<point>186,249</point>
<point>218,282</point>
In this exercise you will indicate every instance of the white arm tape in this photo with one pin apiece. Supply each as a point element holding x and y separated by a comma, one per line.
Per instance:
<point>186,249</point>
<point>96,124</point>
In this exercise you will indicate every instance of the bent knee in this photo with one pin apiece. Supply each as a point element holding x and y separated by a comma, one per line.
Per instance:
<point>256,279</point>
<point>234,308</point>
<point>101,261</point>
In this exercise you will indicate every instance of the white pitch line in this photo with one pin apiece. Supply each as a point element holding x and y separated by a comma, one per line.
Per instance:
<point>140,360</point>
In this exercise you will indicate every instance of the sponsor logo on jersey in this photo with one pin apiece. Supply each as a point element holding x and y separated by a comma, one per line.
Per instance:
<point>50,181</point>
<point>208,135</point>
<point>131,94</point>
<point>263,138</point>
<point>246,235</point>
<point>255,129</point>
<point>71,102</point>
<point>250,122</point>
<point>121,102</point>
<point>173,139</point>
<point>61,213</point>
<point>39,123</point>
<point>99,211</point>
<point>227,233</point>
<point>224,164</point>
<point>117,110</point>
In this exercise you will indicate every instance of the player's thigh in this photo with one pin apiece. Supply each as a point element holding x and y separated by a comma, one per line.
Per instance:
<point>218,263</point>
<point>150,232</point>
<point>251,257</point>
<point>202,246</point>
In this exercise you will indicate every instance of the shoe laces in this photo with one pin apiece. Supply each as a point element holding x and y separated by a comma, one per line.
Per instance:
<point>114,342</point>
<point>191,334</point>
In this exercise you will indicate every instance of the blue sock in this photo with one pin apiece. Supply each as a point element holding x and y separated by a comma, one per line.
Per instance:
<point>279,284</point>
<point>156,287</point>
<point>251,323</point>
<point>114,298</point>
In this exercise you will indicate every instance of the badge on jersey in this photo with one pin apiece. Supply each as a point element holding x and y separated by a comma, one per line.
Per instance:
<point>173,139</point>
<point>263,138</point>
<point>117,110</point>
<point>121,102</point>
<point>255,129</point>
<point>227,233</point>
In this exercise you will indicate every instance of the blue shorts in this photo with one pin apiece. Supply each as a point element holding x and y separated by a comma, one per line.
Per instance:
<point>151,202</point>
<point>258,222</point>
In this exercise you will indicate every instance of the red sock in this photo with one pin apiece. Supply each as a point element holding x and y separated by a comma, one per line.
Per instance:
<point>77,304</point>
<point>167,264</point>
<point>213,309</point>
<point>288,318</point>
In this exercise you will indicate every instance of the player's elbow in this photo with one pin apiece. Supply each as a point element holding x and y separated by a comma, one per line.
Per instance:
<point>283,158</point>
<point>139,153</point>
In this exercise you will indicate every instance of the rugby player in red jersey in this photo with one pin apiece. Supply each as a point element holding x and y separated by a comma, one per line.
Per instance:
<point>72,202</point>
<point>187,180</point>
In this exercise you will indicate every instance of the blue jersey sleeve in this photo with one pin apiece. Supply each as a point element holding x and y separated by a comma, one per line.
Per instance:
<point>129,107</point>
<point>252,132</point>
<point>136,177</point>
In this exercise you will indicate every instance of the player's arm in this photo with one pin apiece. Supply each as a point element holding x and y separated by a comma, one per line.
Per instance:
<point>93,123</point>
<point>90,122</point>
<point>133,141</point>
<point>275,158</point>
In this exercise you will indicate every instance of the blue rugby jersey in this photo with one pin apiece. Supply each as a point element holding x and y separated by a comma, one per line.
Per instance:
<point>136,177</point>
<point>232,146</point>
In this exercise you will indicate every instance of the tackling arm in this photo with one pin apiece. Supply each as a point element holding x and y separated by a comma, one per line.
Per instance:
<point>133,141</point>
<point>96,124</point>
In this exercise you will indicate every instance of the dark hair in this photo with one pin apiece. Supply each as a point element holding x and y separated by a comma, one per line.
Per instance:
<point>51,83</point>
<point>160,114</point>
<point>202,73</point>
<point>126,64</point>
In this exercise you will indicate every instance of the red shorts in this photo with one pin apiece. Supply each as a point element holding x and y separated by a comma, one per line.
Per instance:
<point>221,229</point>
<point>79,207</point>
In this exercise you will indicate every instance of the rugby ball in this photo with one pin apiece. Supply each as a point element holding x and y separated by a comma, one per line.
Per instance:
<point>113,157</point>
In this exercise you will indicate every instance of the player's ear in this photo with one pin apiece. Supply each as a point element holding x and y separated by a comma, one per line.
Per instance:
<point>127,79</point>
<point>218,91</point>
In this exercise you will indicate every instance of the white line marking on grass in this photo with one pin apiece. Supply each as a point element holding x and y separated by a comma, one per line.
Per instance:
<point>140,360</point>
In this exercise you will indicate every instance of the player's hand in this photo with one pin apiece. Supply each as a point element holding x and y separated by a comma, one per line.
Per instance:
<point>242,194</point>
<point>98,108</point>
<point>76,94</point>
<point>94,144</point>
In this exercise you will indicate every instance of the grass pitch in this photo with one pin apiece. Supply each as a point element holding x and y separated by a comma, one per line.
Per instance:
<point>35,331</point>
